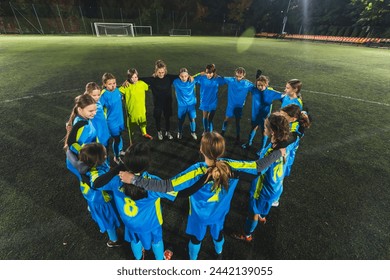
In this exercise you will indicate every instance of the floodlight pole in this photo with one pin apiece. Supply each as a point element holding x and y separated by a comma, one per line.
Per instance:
<point>285,17</point>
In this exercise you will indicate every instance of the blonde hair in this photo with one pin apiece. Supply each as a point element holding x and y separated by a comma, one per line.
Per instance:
<point>212,146</point>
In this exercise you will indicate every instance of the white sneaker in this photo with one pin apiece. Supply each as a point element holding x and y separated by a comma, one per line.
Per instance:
<point>179,135</point>
<point>159,135</point>
<point>193,134</point>
<point>168,135</point>
<point>275,203</point>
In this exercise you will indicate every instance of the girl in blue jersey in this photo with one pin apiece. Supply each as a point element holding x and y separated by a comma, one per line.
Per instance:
<point>186,102</point>
<point>210,201</point>
<point>161,85</point>
<point>99,121</point>
<point>140,210</point>
<point>111,100</point>
<point>238,88</point>
<point>267,187</point>
<point>80,129</point>
<point>209,85</point>
<point>262,98</point>
<point>292,93</point>
<point>299,121</point>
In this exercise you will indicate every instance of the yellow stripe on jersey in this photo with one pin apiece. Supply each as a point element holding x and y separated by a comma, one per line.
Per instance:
<point>294,126</point>
<point>106,196</point>
<point>188,176</point>
<point>259,187</point>
<point>94,174</point>
<point>158,211</point>
<point>215,197</point>
<point>85,188</point>
<point>300,102</point>
<point>173,193</point>
<point>242,164</point>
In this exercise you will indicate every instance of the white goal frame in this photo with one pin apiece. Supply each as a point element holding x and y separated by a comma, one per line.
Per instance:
<point>127,27</point>
<point>180,32</point>
<point>145,27</point>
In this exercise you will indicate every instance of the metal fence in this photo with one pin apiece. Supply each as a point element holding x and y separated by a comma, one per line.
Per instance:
<point>16,18</point>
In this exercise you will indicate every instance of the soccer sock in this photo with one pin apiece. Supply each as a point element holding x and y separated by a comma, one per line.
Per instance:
<point>193,126</point>
<point>211,126</point>
<point>205,122</point>
<point>265,139</point>
<point>181,122</point>
<point>250,226</point>
<point>117,145</point>
<point>238,128</point>
<point>218,245</point>
<point>158,250</point>
<point>137,249</point>
<point>193,250</point>
<point>143,129</point>
<point>251,136</point>
<point>112,235</point>
<point>224,125</point>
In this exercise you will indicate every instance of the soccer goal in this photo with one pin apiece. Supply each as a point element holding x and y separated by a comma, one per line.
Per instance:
<point>143,30</point>
<point>114,29</point>
<point>180,32</point>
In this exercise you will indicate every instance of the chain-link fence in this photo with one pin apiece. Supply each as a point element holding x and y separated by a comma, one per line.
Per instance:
<point>16,18</point>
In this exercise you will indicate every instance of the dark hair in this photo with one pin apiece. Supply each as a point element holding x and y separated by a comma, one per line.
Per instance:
<point>106,77</point>
<point>294,111</point>
<point>130,74</point>
<point>210,68</point>
<point>137,157</point>
<point>134,192</point>
<point>160,64</point>
<point>279,125</point>
<point>93,154</point>
<point>295,84</point>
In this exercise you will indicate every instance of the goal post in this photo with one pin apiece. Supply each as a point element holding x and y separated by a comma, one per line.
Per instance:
<point>114,29</point>
<point>143,30</point>
<point>180,32</point>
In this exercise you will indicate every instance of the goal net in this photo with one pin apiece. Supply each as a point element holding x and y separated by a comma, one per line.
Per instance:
<point>143,30</point>
<point>180,32</point>
<point>114,29</point>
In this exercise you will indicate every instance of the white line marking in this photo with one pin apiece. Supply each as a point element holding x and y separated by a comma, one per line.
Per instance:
<point>40,94</point>
<point>343,96</point>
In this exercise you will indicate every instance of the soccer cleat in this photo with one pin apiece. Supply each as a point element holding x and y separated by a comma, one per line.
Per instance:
<point>168,135</point>
<point>112,244</point>
<point>193,134</point>
<point>160,135</point>
<point>275,203</point>
<point>168,254</point>
<point>179,135</point>
<point>262,220</point>
<point>148,136</point>
<point>243,237</point>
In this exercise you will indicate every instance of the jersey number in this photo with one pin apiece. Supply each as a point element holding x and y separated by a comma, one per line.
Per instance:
<point>278,170</point>
<point>130,208</point>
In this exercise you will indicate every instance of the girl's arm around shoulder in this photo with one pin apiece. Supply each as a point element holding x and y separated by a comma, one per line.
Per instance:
<point>264,163</point>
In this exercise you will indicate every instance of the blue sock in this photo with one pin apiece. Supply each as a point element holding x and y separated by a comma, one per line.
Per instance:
<point>205,122</point>
<point>224,125</point>
<point>158,250</point>
<point>265,139</point>
<point>193,250</point>
<point>117,147</point>
<point>218,245</point>
<point>211,126</point>
<point>112,235</point>
<point>193,126</point>
<point>250,226</point>
<point>251,136</point>
<point>137,249</point>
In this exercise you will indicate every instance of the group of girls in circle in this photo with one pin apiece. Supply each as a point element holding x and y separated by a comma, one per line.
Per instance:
<point>127,195</point>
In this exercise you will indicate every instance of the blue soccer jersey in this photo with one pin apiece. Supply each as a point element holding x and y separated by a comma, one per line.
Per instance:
<point>292,148</point>
<point>185,92</point>
<point>100,124</point>
<point>209,91</point>
<point>99,202</point>
<point>267,187</point>
<point>112,106</point>
<point>209,207</point>
<point>286,100</point>
<point>140,217</point>
<point>237,91</point>
<point>83,132</point>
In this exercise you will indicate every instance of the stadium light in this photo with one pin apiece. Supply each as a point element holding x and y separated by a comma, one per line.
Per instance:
<point>285,17</point>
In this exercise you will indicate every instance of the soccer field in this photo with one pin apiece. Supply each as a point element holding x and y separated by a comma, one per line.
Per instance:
<point>334,202</point>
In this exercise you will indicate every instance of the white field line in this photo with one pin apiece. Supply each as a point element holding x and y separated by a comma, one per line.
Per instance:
<point>343,96</point>
<point>39,94</point>
<point>311,91</point>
